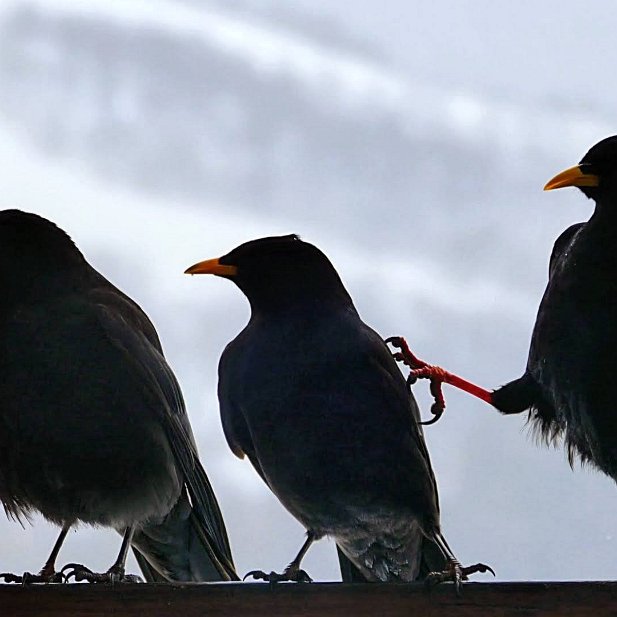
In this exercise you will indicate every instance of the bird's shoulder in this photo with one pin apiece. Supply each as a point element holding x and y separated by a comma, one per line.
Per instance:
<point>83,307</point>
<point>339,344</point>
<point>104,320</point>
<point>306,340</point>
<point>270,365</point>
<point>562,245</point>
<point>115,303</point>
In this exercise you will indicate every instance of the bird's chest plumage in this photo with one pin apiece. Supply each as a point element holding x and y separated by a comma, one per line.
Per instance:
<point>573,354</point>
<point>578,313</point>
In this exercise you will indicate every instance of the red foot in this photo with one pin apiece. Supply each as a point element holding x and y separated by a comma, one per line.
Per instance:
<point>436,375</point>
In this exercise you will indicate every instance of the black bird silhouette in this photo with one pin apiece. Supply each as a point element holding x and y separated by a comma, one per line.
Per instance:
<point>93,427</point>
<point>573,352</point>
<point>314,398</point>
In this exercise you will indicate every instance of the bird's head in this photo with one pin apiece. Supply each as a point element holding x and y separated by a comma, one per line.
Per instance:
<point>32,248</point>
<point>279,272</point>
<point>595,175</point>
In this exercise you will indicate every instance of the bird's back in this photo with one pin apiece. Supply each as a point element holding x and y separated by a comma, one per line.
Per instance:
<point>65,388</point>
<point>101,429</point>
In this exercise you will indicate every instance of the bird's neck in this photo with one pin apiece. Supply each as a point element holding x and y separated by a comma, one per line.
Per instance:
<point>42,287</point>
<point>594,247</point>
<point>604,218</point>
<point>305,313</point>
<point>297,299</point>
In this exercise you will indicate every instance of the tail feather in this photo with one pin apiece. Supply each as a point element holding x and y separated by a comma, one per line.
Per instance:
<point>518,395</point>
<point>349,572</point>
<point>150,574</point>
<point>180,549</point>
<point>209,521</point>
<point>205,517</point>
<point>433,559</point>
<point>382,555</point>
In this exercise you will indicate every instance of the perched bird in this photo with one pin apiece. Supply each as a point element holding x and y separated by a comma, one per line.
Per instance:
<point>93,427</point>
<point>314,398</point>
<point>573,352</point>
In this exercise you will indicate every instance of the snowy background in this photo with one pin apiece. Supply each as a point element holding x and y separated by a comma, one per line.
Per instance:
<point>409,140</point>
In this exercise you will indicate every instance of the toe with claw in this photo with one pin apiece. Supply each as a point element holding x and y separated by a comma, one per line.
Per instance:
<point>437,376</point>
<point>294,575</point>
<point>455,573</point>
<point>421,370</point>
<point>28,578</point>
<point>80,573</point>
<point>9,577</point>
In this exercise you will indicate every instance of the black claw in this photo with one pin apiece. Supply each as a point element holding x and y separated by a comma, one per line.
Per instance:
<point>55,577</point>
<point>11,578</point>
<point>131,578</point>
<point>435,418</point>
<point>435,578</point>
<point>76,571</point>
<point>258,575</point>
<point>28,579</point>
<point>302,577</point>
<point>456,574</point>
<point>479,567</point>
<point>81,573</point>
<point>437,409</point>
<point>293,576</point>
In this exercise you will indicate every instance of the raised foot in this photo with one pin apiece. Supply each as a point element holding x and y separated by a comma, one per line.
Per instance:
<point>418,369</point>
<point>294,575</point>
<point>79,573</point>
<point>437,376</point>
<point>27,578</point>
<point>456,574</point>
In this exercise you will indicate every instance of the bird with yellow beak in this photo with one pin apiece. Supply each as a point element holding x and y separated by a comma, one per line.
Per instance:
<point>312,396</point>
<point>573,352</point>
<point>566,386</point>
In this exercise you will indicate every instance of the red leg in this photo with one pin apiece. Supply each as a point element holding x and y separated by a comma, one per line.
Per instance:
<point>437,376</point>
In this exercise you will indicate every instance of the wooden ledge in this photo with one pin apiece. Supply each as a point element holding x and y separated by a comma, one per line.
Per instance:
<point>550,599</point>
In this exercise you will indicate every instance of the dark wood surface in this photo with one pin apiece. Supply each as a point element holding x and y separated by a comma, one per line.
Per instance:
<point>551,599</point>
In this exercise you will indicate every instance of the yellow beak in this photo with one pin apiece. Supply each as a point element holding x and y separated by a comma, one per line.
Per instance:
<point>212,266</point>
<point>572,177</point>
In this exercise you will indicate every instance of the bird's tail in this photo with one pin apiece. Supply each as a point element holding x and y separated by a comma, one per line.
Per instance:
<point>434,556</point>
<point>181,548</point>
<point>524,394</point>
<point>349,572</point>
<point>433,559</point>
<point>518,395</point>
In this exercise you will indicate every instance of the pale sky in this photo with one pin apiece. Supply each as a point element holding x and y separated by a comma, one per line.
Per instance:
<point>410,142</point>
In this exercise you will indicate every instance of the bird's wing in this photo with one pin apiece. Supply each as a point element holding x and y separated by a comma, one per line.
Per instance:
<point>235,427</point>
<point>400,402</point>
<point>349,572</point>
<point>130,330</point>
